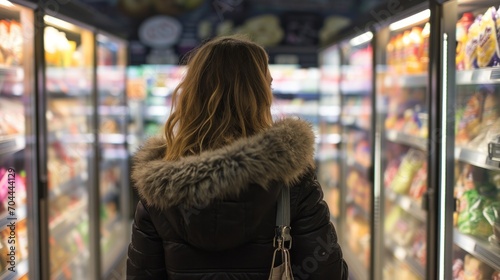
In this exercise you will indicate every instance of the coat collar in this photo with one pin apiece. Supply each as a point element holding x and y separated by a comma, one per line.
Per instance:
<point>281,153</point>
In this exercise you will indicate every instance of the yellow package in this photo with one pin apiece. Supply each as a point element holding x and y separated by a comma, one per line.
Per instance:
<point>472,44</point>
<point>487,49</point>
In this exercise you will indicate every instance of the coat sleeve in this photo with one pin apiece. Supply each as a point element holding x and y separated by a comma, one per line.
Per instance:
<point>315,252</point>
<point>146,258</point>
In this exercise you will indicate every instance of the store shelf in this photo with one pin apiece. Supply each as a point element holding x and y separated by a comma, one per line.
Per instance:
<point>21,270</point>
<point>402,254</point>
<point>12,72</point>
<point>356,268</point>
<point>72,185</point>
<point>353,123</point>
<point>298,95</point>
<point>113,110</point>
<point>478,76</point>
<point>112,138</point>
<point>157,111</point>
<point>332,138</point>
<point>11,144</point>
<point>407,81</point>
<point>476,158</point>
<point>60,136</point>
<point>20,214</point>
<point>405,139</point>
<point>66,222</point>
<point>68,94</point>
<point>328,155</point>
<point>481,249</point>
<point>408,204</point>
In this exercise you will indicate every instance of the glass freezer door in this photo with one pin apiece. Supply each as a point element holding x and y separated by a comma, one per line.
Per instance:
<point>329,130</point>
<point>69,68</point>
<point>16,154</point>
<point>113,159</point>
<point>402,86</point>
<point>476,181</point>
<point>356,114</point>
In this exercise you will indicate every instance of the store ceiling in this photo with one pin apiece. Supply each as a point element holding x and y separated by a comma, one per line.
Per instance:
<point>290,27</point>
<point>127,13</point>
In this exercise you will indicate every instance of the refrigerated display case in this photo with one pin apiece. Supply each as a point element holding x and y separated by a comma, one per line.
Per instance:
<point>136,94</point>
<point>356,90</point>
<point>295,93</point>
<point>329,174</point>
<point>472,115</point>
<point>402,74</point>
<point>69,64</point>
<point>113,169</point>
<point>17,172</point>
<point>149,93</point>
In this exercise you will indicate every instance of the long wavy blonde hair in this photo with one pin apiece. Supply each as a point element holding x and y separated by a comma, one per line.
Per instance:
<point>225,95</point>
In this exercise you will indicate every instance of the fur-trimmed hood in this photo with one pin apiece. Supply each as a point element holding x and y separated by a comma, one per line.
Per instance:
<point>281,153</point>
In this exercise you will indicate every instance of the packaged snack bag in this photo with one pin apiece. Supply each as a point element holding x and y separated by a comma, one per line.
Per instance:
<point>475,269</point>
<point>472,44</point>
<point>469,125</point>
<point>470,217</point>
<point>487,49</point>
<point>463,26</point>
<point>491,109</point>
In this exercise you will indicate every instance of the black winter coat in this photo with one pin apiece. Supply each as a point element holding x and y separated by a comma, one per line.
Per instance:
<point>212,216</point>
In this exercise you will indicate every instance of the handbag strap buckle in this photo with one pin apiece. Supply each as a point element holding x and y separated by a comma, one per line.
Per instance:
<point>282,238</point>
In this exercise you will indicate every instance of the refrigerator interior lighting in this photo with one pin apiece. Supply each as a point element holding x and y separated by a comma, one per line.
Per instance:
<point>361,39</point>
<point>6,3</point>
<point>58,23</point>
<point>411,20</point>
<point>444,124</point>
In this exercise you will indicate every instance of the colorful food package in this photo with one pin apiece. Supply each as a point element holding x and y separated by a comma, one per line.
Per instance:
<point>492,215</point>
<point>489,121</point>
<point>4,35</point>
<point>410,164</point>
<point>458,269</point>
<point>463,26</point>
<point>475,269</point>
<point>419,246</point>
<point>491,107</point>
<point>424,48</point>
<point>412,56</point>
<point>472,44</point>
<point>469,125</point>
<point>470,217</point>
<point>488,52</point>
<point>419,184</point>
<point>391,171</point>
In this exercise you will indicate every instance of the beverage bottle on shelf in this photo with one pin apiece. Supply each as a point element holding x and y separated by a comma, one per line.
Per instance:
<point>406,51</point>
<point>412,54</point>
<point>463,26</point>
<point>390,52</point>
<point>398,52</point>
<point>424,48</point>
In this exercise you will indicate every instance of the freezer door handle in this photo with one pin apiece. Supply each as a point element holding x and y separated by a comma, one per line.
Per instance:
<point>426,199</point>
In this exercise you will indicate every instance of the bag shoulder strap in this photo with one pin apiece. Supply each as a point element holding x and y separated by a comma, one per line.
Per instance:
<point>283,212</point>
<point>283,239</point>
